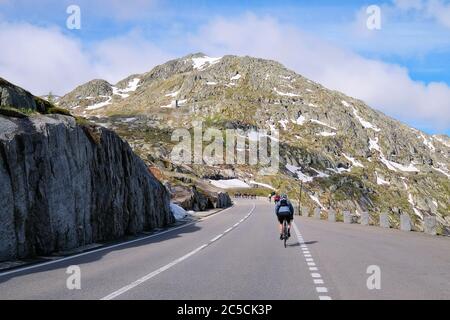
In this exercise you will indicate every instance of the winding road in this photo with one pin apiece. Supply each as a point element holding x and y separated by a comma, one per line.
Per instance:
<point>236,254</point>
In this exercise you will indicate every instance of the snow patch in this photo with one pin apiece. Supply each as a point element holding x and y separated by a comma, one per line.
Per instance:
<point>373,144</point>
<point>427,143</point>
<point>229,184</point>
<point>177,211</point>
<point>300,120</point>
<point>99,105</point>
<point>173,94</point>
<point>263,185</point>
<point>123,93</point>
<point>201,63</point>
<point>322,124</point>
<point>284,124</point>
<point>445,143</point>
<point>381,181</point>
<point>345,103</point>
<point>316,200</point>
<point>355,162</point>
<point>236,77</point>
<point>416,211</point>
<point>286,94</point>
<point>301,176</point>
<point>326,134</point>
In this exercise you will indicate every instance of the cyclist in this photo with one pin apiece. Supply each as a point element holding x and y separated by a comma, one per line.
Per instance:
<point>284,211</point>
<point>276,198</point>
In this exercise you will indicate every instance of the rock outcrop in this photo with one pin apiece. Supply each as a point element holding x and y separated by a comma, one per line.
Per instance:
<point>65,185</point>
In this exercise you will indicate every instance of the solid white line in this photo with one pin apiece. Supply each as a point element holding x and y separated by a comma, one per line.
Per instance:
<point>217,238</point>
<point>235,225</point>
<point>151,275</point>
<point>94,251</point>
<point>112,246</point>
<point>228,230</point>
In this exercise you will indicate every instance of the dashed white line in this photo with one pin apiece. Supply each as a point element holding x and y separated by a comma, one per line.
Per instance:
<point>318,281</point>
<point>317,278</point>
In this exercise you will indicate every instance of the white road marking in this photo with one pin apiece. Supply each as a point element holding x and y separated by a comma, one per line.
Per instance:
<point>39,265</point>
<point>318,281</point>
<point>317,278</point>
<point>151,275</point>
<point>217,238</point>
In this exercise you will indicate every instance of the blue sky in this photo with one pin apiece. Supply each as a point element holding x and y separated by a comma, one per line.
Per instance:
<point>401,69</point>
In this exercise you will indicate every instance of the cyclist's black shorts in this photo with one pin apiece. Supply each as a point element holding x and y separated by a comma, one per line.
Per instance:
<point>282,217</point>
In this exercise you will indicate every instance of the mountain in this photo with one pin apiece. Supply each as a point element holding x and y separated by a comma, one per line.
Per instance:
<point>348,155</point>
<point>68,183</point>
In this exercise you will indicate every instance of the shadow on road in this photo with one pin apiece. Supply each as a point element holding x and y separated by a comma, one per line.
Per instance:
<point>297,244</point>
<point>109,248</point>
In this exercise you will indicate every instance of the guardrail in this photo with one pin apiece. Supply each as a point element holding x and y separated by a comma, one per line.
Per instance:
<point>364,218</point>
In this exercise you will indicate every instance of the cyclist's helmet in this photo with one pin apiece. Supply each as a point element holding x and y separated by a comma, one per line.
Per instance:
<point>284,196</point>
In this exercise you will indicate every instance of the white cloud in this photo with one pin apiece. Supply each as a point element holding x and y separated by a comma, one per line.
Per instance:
<point>125,55</point>
<point>44,59</point>
<point>41,59</point>
<point>384,86</point>
<point>438,10</point>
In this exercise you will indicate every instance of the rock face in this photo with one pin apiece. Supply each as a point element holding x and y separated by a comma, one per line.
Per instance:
<point>223,200</point>
<point>64,186</point>
<point>13,96</point>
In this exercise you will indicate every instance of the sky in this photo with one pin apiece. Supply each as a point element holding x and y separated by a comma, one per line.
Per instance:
<point>401,67</point>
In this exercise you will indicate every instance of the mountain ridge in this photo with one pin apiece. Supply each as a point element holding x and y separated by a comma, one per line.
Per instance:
<point>328,139</point>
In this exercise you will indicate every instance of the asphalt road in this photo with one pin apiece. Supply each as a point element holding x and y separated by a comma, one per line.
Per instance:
<point>236,254</point>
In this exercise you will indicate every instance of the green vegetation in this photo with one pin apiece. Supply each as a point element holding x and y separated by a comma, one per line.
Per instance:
<point>15,113</point>
<point>57,110</point>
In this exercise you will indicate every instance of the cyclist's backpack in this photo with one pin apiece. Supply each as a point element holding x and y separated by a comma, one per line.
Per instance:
<point>284,208</point>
